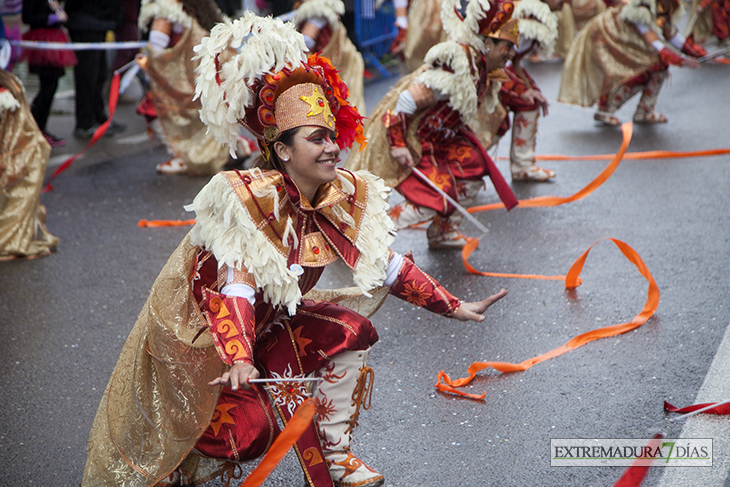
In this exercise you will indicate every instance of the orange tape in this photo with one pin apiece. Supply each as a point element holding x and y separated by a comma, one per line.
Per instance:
<point>299,422</point>
<point>572,280</point>
<point>545,201</point>
<point>164,223</point>
<point>652,154</point>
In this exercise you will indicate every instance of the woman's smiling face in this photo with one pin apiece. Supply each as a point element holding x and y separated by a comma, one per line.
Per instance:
<point>311,158</point>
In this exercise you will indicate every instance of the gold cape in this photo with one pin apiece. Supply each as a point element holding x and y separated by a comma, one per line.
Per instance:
<point>23,160</point>
<point>349,63</point>
<point>566,30</point>
<point>607,52</point>
<point>425,30</point>
<point>701,29</point>
<point>172,83</point>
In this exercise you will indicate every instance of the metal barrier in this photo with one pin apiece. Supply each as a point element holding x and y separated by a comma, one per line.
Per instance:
<point>374,31</point>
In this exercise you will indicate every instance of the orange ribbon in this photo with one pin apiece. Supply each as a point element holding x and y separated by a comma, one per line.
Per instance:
<point>545,201</point>
<point>572,280</point>
<point>299,422</point>
<point>164,223</point>
<point>651,154</point>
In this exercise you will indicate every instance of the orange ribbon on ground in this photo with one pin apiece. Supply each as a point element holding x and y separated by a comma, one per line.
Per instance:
<point>473,243</point>
<point>299,422</point>
<point>164,223</point>
<point>572,280</point>
<point>100,131</point>
<point>545,201</point>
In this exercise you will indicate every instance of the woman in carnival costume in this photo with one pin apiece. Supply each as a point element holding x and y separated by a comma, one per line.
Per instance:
<point>175,27</point>
<point>537,25</point>
<point>319,22</point>
<point>426,120</point>
<point>23,161</point>
<point>235,300</point>
<point>619,54</point>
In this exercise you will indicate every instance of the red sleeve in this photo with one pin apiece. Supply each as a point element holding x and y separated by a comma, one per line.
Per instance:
<point>230,320</point>
<point>417,287</point>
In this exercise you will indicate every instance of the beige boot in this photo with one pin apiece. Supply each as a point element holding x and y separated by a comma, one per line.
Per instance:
<point>346,388</point>
<point>442,235</point>
<point>646,110</point>
<point>522,151</point>
<point>407,214</point>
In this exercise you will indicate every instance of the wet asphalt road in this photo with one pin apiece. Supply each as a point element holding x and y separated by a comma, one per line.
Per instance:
<point>64,318</point>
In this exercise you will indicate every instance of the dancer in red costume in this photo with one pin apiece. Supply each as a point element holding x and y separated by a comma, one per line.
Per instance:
<point>425,122</point>
<point>235,300</point>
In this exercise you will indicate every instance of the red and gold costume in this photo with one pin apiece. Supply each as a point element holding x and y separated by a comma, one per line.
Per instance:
<point>537,34</point>
<point>446,94</point>
<point>239,289</point>
<point>619,54</point>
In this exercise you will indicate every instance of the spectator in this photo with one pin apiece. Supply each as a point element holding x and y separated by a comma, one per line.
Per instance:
<point>89,21</point>
<point>46,20</point>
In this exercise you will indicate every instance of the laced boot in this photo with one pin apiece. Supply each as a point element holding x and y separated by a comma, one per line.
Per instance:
<point>522,151</point>
<point>443,235</point>
<point>346,388</point>
<point>646,111</point>
<point>609,104</point>
<point>407,214</point>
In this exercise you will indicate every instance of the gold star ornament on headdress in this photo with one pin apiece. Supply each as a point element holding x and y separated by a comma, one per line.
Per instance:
<point>318,104</point>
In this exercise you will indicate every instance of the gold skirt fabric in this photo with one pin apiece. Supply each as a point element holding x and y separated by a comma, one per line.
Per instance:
<point>701,28</point>
<point>566,30</point>
<point>349,62</point>
<point>606,53</point>
<point>157,402</point>
<point>172,84</point>
<point>23,161</point>
<point>425,30</point>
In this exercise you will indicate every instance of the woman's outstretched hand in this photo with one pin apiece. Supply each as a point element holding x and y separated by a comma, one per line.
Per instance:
<point>473,311</point>
<point>238,375</point>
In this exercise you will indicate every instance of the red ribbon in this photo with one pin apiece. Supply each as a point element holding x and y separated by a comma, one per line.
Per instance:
<point>113,97</point>
<point>722,409</point>
<point>634,475</point>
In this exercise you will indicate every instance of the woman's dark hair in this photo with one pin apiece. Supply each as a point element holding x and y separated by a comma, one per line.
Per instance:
<point>286,138</point>
<point>206,12</point>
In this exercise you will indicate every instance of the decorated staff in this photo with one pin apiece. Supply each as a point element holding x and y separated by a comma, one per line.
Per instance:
<point>619,54</point>
<point>236,301</point>
<point>426,121</point>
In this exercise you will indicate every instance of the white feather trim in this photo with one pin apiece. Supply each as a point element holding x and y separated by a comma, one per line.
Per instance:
<point>329,9</point>
<point>225,228</point>
<point>375,235</point>
<point>264,45</point>
<point>347,186</point>
<point>465,31</point>
<point>458,84</point>
<point>162,9</point>
<point>8,101</point>
<point>640,12</point>
<point>537,22</point>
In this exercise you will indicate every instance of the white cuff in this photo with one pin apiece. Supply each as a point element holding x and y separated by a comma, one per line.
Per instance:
<point>319,22</point>
<point>309,42</point>
<point>393,269</point>
<point>238,289</point>
<point>677,41</point>
<point>400,3</point>
<point>658,45</point>
<point>406,103</point>
<point>159,40</point>
<point>402,21</point>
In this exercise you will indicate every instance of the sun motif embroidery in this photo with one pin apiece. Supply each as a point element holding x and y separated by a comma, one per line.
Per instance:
<point>416,293</point>
<point>324,408</point>
<point>317,105</point>
<point>395,212</point>
<point>221,417</point>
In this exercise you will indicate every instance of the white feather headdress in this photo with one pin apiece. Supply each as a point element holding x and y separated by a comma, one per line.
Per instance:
<point>466,30</point>
<point>224,80</point>
<point>536,22</point>
<point>165,9</point>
